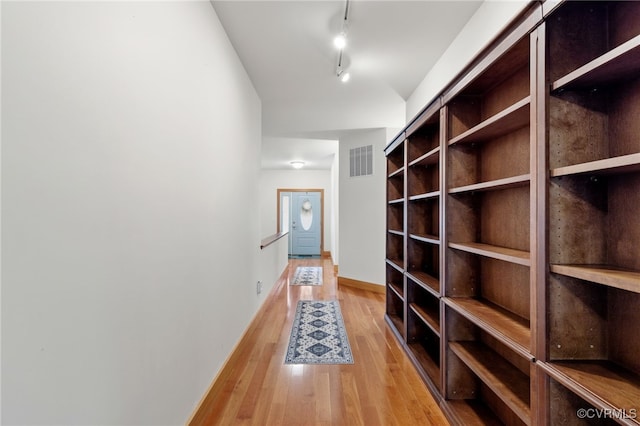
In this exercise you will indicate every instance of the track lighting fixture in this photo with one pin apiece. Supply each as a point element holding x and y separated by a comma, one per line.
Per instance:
<point>341,42</point>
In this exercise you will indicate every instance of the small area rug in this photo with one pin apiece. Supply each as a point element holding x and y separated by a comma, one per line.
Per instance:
<point>318,335</point>
<point>307,275</point>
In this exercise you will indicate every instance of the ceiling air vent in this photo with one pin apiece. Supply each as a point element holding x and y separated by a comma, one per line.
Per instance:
<point>361,161</point>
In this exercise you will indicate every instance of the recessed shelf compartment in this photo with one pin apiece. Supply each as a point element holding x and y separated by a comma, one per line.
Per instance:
<point>595,131</point>
<point>397,173</point>
<point>423,179</point>
<point>602,384</point>
<point>395,309</point>
<point>482,367</point>
<point>395,187</point>
<point>567,408</point>
<point>595,44</point>
<point>424,138</point>
<point>395,217</point>
<point>595,339</point>
<point>424,261</point>
<point>618,63</point>
<point>395,249</point>
<point>427,281</point>
<point>492,223</point>
<point>395,157</point>
<point>397,289</point>
<point>506,381</point>
<point>395,277</point>
<point>424,219</point>
<point>594,221</point>
<point>424,304</point>
<point>424,345</point>
<point>430,158</point>
<point>511,330</point>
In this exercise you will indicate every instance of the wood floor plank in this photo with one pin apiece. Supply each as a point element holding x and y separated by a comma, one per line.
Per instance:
<point>380,388</point>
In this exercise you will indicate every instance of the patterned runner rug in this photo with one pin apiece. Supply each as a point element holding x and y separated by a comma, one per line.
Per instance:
<point>307,275</point>
<point>318,335</point>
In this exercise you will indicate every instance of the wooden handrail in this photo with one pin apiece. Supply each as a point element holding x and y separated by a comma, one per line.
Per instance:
<point>272,239</point>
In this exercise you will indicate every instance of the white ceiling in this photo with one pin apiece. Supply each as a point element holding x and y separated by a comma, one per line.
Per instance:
<point>287,50</point>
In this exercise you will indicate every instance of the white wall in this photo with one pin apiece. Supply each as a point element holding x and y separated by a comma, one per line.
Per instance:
<point>335,210</point>
<point>271,180</point>
<point>130,245</point>
<point>488,21</point>
<point>362,211</point>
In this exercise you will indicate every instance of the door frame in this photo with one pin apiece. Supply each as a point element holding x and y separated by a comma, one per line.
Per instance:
<point>321,191</point>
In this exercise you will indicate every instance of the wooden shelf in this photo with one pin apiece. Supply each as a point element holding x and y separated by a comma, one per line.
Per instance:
<point>506,381</point>
<point>394,232</point>
<point>396,172</point>
<point>396,201</point>
<point>397,324</point>
<point>508,120</point>
<point>426,362</point>
<point>511,330</point>
<point>431,239</point>
<point>426,281</point>
<point>430,158</point>
<point>601,383</point>
<point>495,252</point>
<point>623,164</point>
<point>426,196</point>
<point>494,185</point>
<point>427,318</point>
<point>611,276</point>
<point>396,263</point>
<point>471,412</point>
<point>616,64</point>
<point>397,290</point>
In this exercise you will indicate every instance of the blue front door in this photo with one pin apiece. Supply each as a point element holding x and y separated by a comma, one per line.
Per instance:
<point>305,223</point>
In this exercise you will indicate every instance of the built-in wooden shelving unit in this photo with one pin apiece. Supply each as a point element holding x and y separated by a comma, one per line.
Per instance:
<point>513,248</point>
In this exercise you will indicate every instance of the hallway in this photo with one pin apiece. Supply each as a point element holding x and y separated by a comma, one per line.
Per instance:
<point>380,388</point>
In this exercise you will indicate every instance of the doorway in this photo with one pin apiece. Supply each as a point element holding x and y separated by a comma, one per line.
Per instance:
<point>300,211</point>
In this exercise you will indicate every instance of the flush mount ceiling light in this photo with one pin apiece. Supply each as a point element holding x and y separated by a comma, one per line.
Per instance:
<point>341,42</point>
<point>297,164</point>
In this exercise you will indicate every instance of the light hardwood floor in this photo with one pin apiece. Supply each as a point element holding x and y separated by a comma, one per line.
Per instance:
<point>380,388</point>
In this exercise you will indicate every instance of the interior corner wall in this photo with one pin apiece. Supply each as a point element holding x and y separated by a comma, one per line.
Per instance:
<point>130,238</point>
<point>335,209</point>
<point>488,21</point>
<point>362,211</point>
<point>272,179</point>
